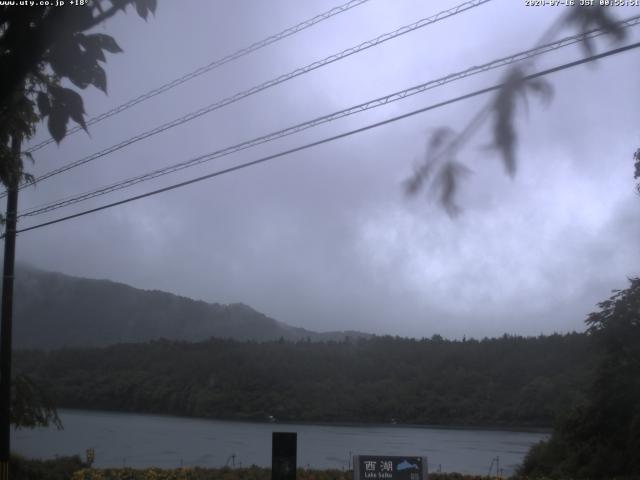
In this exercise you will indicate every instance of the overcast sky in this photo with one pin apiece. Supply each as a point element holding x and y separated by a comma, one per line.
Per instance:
<point>326,239</point>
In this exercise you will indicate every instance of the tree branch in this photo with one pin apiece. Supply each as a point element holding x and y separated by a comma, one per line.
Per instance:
<point>25,57</point>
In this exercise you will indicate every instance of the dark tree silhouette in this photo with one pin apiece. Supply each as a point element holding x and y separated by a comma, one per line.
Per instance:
<point>601,437</point>
<point>31,405</point>
<point>509,381</point>
<point>39,48</point>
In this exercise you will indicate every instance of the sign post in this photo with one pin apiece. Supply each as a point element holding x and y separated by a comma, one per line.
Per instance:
<point>369,467</point>
<point>284,452</point>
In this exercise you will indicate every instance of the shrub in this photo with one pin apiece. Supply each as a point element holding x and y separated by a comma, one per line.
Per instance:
<point>61,468</point>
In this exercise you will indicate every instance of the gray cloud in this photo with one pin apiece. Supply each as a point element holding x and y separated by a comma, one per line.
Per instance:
<point>325,239</point>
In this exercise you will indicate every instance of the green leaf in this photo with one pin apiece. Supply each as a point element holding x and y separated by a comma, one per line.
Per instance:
<point>43,104</point>
<point>591,18</point>
<point>95,44</point>
<point>62,55</point>
<point>29,178</point>
<point>99,79</point>
<point>439,149</point>
<point>80,78</point>
<point>78,20</point>
<point>92,48</point>
<point>105,42</point>
<point>58,122</point>
<point>447,181</point>
<point>503,109</point>
<point>143,7</point>
<point>69,60</point>
<point>77,59</point>
<point>75,106</point>
<point>29,155</point>
<point>120,4</point>
<point>71,103</point>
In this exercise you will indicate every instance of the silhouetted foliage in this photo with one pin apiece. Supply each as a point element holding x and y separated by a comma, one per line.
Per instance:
<point>441,172</point>
<point>509,381</point>
<point>31,406</point>
<point>61,468</point>
<point>73,468</point>
<point>503,110</point>
<point>39,48</point>
<point>585,19</point>
<point>440,150</point>
<point>600,438</point>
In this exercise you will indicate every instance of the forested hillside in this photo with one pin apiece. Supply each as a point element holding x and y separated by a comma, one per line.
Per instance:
<point>508,381</point>
<point>599,438</point>
<point>53,310</point>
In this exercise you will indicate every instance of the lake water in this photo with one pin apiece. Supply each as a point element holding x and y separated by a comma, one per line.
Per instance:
<point>163,441</point>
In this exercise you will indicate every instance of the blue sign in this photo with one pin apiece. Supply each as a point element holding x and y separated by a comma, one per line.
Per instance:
<point>370,467</point>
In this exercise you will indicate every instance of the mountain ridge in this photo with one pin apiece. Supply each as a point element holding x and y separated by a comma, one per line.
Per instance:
<point>53,310</point>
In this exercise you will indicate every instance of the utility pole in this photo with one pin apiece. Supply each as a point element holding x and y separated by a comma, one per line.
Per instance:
<point>7,318</point>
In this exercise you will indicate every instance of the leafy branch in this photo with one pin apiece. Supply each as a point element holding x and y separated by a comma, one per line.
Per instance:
<point>441,172</point>
<point>31,406</point>
<point>39,47</point>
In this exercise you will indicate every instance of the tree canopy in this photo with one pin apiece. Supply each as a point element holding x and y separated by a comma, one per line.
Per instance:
<point>508,381</point>
<point>600,438</point>
<point>40,47</point>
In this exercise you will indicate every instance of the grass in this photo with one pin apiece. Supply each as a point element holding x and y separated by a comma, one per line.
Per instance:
<point>73,468</point>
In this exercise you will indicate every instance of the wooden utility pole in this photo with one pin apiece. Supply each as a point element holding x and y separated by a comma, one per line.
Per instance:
<point>7,318</point>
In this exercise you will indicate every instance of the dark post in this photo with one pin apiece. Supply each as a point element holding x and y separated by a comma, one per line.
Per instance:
<point>284,452</point>
<point>5,325</point>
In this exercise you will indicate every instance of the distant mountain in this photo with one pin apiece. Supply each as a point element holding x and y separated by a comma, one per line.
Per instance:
<point>53,310</point>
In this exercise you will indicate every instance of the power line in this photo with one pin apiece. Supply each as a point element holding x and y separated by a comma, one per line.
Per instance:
<point>393,97</point>
<point>211,66</point>
<point>271,83</point>
<point>335,137</point>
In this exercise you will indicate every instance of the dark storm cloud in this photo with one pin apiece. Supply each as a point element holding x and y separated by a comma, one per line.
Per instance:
<point>325,239</point>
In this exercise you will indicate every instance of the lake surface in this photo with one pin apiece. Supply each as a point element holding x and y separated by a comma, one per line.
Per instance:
<point>152,440</point>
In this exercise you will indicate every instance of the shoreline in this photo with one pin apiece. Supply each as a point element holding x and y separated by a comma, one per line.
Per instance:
<point>487,427</point>
<point>72,467</point>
